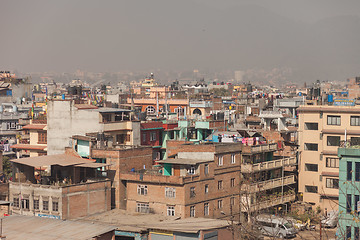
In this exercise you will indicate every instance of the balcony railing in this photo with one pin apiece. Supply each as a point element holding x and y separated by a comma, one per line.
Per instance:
<point>268,203</point>
<point>260,148</point>
<point>269,184</point>
<point>249,168</point>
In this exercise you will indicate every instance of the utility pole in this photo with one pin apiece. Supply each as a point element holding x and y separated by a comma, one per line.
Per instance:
<point>232,223</point>
<point>320,231</point>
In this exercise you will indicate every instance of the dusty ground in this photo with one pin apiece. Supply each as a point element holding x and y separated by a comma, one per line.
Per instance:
<point>327,234</point>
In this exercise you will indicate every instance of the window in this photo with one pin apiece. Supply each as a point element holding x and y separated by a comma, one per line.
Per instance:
<point>333,141</point>
<point>36,204</point>
<point>332,162</point>
<point>206,209</point>
<point>206,188</point>
<point>348,203</point>
<point>192,211</point>
<point>220,160</point>
<point>191,170</point>
<point>220,184</point>
<point>45,205</point>
<point>142,189</point>
<point>170,192</point>
<point>42,137</point>
<point>206,169</point>
<point>332,183</point>
<point>120,138</point>
<point>311,167</point>
<point>355,141</point>
<point>142,207</point>
<point>25,204</point>
<point>171,210</point>
<point>232,201</point>
<point>311,126</point>
<point>16,203</point>
<point>348,232</point>
<point>311,189</point>
<point>220,204</point>
<point>311,147</point>
<point>192,192</point>
<point>143,137</point>
<point>232,182</point>
<point>233,159</point>
<point>357,233</point>
<point>153,136</point>
<point>357,171</point>
<point>55,206</point>
<point>106,118</point>
<point>349,171</point>
<point>150,110</point>
<point>172,135</point>
<point>355,120</point>
<point>179,110</point>
<point>333,120</point>
<point>357,207</point>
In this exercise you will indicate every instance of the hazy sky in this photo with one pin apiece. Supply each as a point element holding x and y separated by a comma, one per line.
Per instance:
<point>316,39</point>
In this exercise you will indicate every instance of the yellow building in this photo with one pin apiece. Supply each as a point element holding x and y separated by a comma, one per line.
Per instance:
<point>322,129</point>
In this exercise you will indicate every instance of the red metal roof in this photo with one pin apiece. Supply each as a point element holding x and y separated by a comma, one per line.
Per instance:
<point>35,126</point>
<point>28,147</point>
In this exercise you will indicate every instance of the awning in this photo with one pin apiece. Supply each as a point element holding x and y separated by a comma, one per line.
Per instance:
<point>58,159</point>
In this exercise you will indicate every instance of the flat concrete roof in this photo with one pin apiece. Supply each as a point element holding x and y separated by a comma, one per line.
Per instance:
<point>19,227</point>
<point>140,222</point>
<point>185,161</point>
<point>111,110</point>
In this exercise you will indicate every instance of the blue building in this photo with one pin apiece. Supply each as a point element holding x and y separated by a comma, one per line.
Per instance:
<point>349,194</point>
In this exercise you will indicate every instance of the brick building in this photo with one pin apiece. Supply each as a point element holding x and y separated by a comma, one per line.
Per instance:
<point>212,180</point>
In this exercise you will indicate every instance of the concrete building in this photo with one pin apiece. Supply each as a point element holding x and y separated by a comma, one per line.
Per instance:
<point>151,107</point>
<point>32,141</point>
<point>321,131</point>
<point>66,119</point>
<point>58,186</point>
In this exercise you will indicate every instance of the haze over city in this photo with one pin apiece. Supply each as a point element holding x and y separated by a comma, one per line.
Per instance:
<point>302,40</point>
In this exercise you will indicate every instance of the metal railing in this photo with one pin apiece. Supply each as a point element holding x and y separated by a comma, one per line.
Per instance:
<point>270,184</point>
<point>249,168</point>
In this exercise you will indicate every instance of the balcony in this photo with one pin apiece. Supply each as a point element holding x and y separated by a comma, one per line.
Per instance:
<point>273,201</point>
<point>269,184</point>
<point>117,126</point>
<point>260,148</point>
<point>249,168</point>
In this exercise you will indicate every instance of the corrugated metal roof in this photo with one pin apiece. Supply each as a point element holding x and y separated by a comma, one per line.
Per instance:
<point>28,146</point>
<point>58,159</point>
<point>18,227</point>
<point>34,126</point>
